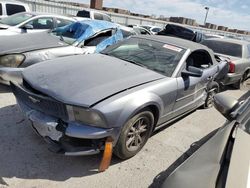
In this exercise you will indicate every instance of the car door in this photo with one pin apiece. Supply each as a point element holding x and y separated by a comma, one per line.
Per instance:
<point>192,90</point>
<point>40,24</point>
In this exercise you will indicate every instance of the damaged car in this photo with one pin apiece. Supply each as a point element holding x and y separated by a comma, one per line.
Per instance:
<point>123,94</point>
<point>89,36</point>
<point>237,53</point>
<point>220,159</point>
<point>181,32</point>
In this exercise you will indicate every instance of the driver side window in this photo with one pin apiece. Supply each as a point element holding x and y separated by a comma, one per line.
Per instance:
<point>199,59</point>
<point>42,23</point>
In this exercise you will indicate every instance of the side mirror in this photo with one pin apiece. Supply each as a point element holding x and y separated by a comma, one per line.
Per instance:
<point>192,71</point>
<point>225,105</point>
<point>27,26</point>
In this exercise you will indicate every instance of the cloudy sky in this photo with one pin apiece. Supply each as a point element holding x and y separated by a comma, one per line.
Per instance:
<point>232,13</point>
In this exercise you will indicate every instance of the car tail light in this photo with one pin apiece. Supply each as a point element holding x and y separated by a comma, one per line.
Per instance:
<point>231,67</point>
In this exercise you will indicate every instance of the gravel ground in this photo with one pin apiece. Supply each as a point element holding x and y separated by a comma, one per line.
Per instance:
<point>26,162</point>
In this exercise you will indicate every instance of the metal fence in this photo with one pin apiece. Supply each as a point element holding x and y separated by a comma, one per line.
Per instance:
<point>65,9</point>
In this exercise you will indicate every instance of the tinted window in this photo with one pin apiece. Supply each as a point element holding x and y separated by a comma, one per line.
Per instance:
<point>248,50</point>
<point>157,56</point>
<point>126,34</point>
<point>16,19</point>
<point>98,16</point>
<point>42,23</point>
<point>13,9</point>
<point>226,48</point>
<point>156,29</point>
<point>1,13</point>
<point>62,22</point>
<point>83,13</point>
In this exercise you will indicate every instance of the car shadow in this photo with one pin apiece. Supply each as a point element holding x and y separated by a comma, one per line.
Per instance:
<point>25,155</point>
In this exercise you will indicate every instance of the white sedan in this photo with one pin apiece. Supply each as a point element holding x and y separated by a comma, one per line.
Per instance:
<point>32,22</point>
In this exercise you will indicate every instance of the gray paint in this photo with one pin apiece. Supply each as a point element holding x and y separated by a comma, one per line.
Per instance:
<point>94,77</point>
<point>28,42</point>
<point>117,90</point>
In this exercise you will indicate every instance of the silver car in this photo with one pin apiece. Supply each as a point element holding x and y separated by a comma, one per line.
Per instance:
<point>31,22</point>
<point>123,94</point>
<point>238,54</point>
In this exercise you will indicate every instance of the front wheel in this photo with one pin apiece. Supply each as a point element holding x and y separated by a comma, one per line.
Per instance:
<point>134,135</point>
<point>241,84</point>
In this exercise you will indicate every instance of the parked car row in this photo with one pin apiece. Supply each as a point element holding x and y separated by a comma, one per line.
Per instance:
<point>90,82</point>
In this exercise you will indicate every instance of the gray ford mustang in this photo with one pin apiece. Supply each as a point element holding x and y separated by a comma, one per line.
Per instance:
<point>124,93</point>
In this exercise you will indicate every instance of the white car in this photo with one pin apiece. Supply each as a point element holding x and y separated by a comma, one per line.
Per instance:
<point>29,22</point>
<point>8,8</point>
<point>152,29</point>
<point>93,15</point>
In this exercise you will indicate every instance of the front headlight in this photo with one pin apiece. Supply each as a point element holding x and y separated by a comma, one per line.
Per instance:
<point>13,60</point>
<point>85,116</point>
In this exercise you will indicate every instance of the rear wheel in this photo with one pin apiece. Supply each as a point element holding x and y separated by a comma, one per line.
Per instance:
<point>134,135</point>
<point>241,84</point>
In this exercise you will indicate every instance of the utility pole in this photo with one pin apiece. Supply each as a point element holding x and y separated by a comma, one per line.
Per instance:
<point>207,9</point>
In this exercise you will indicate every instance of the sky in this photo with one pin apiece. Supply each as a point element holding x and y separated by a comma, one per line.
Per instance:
<point>230,13</point>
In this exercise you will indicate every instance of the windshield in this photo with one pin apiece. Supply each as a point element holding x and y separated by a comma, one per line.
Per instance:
<point>226,48</point>
<point>70,33</point>
<point>157,56</point>
<point>16,19</point>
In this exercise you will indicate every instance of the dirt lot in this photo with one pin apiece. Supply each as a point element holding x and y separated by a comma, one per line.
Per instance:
<point>26,162</point>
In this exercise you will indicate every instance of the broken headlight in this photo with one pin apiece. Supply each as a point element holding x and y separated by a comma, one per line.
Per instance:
<point>85,116</point>
<point>13,60</point>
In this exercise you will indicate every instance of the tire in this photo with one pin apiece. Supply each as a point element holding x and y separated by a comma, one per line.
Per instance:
<point>134,134</point>
<point>212,90</point>
<point>241,84</point>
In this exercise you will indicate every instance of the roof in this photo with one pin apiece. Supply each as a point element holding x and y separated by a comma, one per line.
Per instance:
<point>235,41</point>
<point>87,28</point>
<point>14,2</point>
<point>175,41</point>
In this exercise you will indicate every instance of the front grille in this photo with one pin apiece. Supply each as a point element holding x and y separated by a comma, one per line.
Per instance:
<point>41,103</point>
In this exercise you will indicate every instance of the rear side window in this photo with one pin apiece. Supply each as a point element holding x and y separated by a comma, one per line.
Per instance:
<point>127,34</point>
<point>13,9</point>
<point>106,18</point>
<point>226,48</point>
<point>83,13</point>
<point>156,29</point>
<point>1,12</point>
<point>248,50</point>
<point>62,22</point>
<point>98,16</point>
<point>42,23</point>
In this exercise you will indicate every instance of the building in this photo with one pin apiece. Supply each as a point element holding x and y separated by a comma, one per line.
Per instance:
<point>116,10</point>
<point>222,28</point>
<point>211,26</point>
<point>232,30</point>
<point>96,4</point>
<point>182,20</point>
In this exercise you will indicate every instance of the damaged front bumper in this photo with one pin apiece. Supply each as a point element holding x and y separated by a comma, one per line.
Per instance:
<point>8,74</point>
<point>68,138</point>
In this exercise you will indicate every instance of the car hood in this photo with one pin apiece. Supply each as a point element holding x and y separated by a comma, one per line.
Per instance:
<point>84,80</point>
<point>28,42</point>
